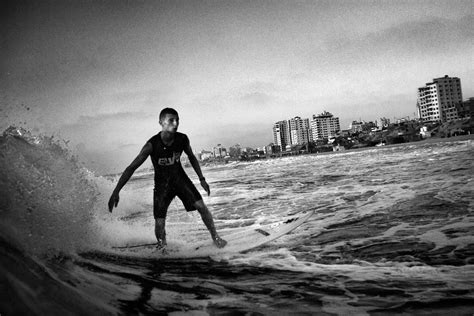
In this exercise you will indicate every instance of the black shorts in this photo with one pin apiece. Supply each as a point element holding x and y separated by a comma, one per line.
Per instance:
<point>166,190</point>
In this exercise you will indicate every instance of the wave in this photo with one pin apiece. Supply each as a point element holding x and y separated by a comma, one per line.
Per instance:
<point>46,197</point>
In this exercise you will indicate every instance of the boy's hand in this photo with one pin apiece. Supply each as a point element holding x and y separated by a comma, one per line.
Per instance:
<point>205,186</point>
<point>113,201</point>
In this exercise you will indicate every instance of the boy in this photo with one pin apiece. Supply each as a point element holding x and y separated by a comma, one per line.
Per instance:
<point>165,150</point>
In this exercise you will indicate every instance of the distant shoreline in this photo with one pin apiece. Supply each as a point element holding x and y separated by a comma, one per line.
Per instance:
<point>446,139</point>
<point>424,141</point>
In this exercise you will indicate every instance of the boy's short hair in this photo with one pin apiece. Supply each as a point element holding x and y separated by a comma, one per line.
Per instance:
<point>167,111</point>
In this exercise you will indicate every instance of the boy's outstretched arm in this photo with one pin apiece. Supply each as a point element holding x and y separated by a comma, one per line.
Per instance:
<point>195,163</point>
<point>126,175</point>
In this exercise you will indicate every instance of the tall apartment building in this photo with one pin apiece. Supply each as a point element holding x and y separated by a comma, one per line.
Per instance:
<point>300,131</point>
<point>281,134</point>
<point>324,126</point>
<point>437,100</point>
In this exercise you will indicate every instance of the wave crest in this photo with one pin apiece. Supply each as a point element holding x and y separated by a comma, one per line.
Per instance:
<point>46,197</point>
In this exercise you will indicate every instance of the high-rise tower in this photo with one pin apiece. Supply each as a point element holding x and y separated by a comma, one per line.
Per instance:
<point>325,126</point>
<point>299,130</point>
<point>437,100</point>
<point>281,134</point>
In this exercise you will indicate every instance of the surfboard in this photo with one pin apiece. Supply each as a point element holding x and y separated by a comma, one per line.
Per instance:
<point>242,241</point>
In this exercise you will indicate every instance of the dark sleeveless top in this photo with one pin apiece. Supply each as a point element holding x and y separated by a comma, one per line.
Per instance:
<point>166,159</point>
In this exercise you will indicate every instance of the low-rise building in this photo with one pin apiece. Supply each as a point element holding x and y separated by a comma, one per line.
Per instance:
<point>356,127</point>
<point>219,151</point>
<point>205,155</point>
<point>424,132</point>
<point>272,149</point>
<point>384,122</point>
<point>465,108</point>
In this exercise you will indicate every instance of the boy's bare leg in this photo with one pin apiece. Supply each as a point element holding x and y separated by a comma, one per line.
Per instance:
<point>160,232</point>
<point>209,222</point>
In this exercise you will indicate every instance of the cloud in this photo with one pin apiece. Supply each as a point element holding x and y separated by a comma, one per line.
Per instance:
<point>145,100</point>
<point>128,146</point>
<point>247,134</point>
<point>256,99</point>
<point>112,130</point>
<point>436,36</point>
<point>107,118</point>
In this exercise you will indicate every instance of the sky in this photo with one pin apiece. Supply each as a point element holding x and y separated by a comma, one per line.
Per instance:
<point>97,73</point>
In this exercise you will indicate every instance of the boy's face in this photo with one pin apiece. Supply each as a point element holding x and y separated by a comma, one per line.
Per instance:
<point>170,123</point>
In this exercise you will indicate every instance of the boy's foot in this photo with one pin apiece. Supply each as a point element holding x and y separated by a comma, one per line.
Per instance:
<point>160,247</point>
<point>219,242</point>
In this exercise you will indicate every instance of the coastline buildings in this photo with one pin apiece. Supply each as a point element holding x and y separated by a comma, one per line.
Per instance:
<point>299,131</point>
<point>356,127</point>
<point>466,108</point>
<point>205,155</point>
<point>281,134</point>
<point>271,149</point>
<point>384,122</point>
<point>219,151</point>
<point>438,100</point>
<point>324,126</point>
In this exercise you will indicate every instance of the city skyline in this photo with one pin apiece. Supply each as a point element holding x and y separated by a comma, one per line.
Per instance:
<point>98,73</point>
<point>456,99</point>
<point>383,123</point>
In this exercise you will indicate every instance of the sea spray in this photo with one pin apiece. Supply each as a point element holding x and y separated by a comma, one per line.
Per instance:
<point>48,214</point>
<point>47,199</point>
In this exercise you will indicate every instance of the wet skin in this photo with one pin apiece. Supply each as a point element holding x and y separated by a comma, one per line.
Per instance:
<point>169,124</point>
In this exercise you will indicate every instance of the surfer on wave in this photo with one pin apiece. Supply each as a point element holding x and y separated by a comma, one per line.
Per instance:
<point>165,150</point>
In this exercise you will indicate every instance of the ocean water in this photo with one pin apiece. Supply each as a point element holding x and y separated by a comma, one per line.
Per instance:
<point>393,233</point>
